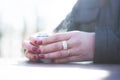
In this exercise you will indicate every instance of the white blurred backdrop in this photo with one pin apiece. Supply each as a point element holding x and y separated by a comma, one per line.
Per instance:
<point>21,18</point>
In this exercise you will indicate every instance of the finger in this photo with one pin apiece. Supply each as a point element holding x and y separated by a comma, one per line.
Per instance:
<point>68,59</point>
<point>57,46</point>
<point>56,38</point>
<point>33,39</point>
<point>28,46</point>
<point>31,56</point>
<point>53,47</point>
<point>58,54</point>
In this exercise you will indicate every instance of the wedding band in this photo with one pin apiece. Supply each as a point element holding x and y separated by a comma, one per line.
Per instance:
<point>64,44</point>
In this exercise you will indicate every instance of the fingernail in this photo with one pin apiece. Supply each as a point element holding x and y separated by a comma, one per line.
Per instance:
<point>42,56</point>
<point>34,57</point>
<point>35,49</point>
<point>39,42</point>
<point>35,42</point>
<point>38,51</point>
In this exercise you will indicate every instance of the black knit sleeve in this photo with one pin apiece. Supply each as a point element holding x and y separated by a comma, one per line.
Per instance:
<point>107,45</point>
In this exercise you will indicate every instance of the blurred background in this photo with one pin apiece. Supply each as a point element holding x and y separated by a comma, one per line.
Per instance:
<point>21,18</point>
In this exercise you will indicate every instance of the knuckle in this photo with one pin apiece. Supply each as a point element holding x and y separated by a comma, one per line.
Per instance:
<point>44,41</point>
<point>56,37</point>
<point>58,46</point>
<point>48,56</point>
<point>60,54</point>
<point>43,49</point>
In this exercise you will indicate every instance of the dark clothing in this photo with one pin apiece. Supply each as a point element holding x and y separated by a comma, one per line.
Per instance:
<point>108,34</point>
<point>107,45</point>
<point>103,17</point>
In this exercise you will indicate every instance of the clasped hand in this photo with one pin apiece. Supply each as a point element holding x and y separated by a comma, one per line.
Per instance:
<point>79,47</point>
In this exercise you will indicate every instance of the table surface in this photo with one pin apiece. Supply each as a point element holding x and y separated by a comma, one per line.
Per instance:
<point>22,69</point>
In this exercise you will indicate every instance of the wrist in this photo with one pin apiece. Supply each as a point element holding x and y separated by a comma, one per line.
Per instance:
<point>92,46</point>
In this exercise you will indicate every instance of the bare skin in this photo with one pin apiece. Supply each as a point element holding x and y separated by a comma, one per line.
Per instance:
<point>80,46</point>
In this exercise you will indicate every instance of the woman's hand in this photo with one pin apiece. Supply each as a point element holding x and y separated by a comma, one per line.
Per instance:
<point>80,47</point>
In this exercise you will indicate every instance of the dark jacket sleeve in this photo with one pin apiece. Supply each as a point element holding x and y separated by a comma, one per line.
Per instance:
<point>107,45</point>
